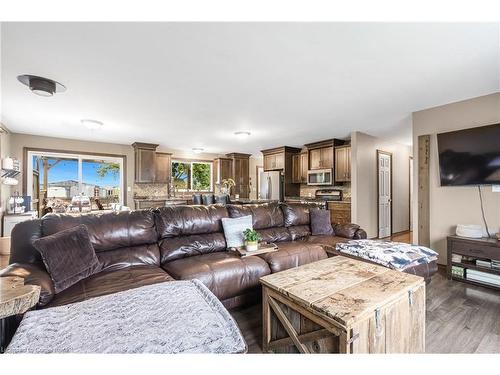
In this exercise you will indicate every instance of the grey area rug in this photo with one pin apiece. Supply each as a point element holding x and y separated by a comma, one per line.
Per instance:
<point>171,317</point>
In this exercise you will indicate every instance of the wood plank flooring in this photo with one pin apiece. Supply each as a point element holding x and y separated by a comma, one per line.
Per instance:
<point>460,318</point>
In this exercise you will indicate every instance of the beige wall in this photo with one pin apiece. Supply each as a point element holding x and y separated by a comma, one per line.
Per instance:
<point>450,206</point>
<point>364,182</point>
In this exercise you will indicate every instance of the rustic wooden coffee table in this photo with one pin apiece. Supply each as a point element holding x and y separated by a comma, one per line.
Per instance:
<point>15,298</point>
<point>343,305</point>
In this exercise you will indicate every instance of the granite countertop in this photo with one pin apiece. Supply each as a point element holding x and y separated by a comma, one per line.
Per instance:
<point>160,198</point>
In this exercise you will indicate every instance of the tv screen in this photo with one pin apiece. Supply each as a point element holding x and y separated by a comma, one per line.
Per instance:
<point>470,156</point>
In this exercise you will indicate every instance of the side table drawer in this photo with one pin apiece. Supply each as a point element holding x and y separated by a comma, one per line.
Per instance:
<point>471,249</point>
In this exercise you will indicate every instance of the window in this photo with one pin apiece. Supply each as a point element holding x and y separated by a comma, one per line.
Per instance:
<point>54,179</point>
<point>192,175</point>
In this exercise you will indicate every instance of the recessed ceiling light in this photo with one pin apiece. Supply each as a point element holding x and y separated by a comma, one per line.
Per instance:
<point>242,134</point>
<point>92,124</point>
<point>41,86</point>
<point>197,150</point>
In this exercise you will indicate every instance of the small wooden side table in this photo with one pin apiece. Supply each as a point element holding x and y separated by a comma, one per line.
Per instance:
<point>15,298</point>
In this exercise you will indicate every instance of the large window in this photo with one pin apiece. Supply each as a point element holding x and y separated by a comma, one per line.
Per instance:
<point>57,180</point>
<point>192,175</point>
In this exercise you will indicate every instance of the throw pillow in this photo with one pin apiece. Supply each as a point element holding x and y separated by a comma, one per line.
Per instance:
<point>320,222</point>
<point>68,256</point>
<point>234,228</point>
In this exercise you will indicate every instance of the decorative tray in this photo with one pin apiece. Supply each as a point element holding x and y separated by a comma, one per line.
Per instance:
<point>263,249</point>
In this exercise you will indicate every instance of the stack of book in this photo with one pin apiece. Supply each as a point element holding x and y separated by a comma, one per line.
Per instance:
<point>483,263</point>
<point>457,271</point>
<point>483,277</point>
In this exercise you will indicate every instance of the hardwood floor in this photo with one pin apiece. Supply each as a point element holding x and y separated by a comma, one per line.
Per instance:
<point>460,318</point>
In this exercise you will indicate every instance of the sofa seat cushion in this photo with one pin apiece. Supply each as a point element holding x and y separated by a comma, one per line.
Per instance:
<point>293,254</point>
<point>104,283</point>
<point>328,242</point>
<point>224,273</point>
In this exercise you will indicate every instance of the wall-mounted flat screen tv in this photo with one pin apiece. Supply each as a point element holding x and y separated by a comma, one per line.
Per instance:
<point>470,156</point>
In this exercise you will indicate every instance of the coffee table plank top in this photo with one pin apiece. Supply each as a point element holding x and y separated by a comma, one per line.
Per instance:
<point>340,288</point>
<point>15,297</point>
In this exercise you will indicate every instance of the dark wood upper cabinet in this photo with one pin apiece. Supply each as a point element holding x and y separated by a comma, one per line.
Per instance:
<point>223,169</point>
<point>343,163</point>
<point>163,164</point>
<point>145,162</point>
<point>296,169</point>
<point>240,173</point>
<point>151,166</point>
<point>304,166</point>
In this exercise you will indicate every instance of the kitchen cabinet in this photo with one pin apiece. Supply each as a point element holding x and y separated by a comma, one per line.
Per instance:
<point>274,161</point>
<point>296,169</point>
<point>343,163</point>
<point>163,166</point>
<point>223,169</point>
<point>151,166</point>
<point>145,162</point>
<point>304,167</point>
<point>300,166</point>
<point>340,212</point>
<point>321,158</point>
<point>240,173</point>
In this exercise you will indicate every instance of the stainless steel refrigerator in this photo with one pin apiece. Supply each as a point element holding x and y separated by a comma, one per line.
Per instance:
<point>271,185</point>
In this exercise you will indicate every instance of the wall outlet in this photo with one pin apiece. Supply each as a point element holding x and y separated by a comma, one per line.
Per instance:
<point>495,188</point>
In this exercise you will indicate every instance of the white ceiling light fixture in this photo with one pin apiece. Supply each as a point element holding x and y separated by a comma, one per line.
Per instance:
<point>92,124</point>
<point>198,150</point>
<point>242,134</point>
<point>41,86</point>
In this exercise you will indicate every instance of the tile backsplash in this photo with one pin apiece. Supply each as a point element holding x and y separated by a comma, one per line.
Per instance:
<point>151,190</point>
<point>309,191</point>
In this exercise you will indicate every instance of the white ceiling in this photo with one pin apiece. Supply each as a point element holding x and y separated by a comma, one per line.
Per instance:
<point>187,85</point>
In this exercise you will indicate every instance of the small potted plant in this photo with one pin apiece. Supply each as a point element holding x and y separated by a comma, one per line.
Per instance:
<point>251,239</point>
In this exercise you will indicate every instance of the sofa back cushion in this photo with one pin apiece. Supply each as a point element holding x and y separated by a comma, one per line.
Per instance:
<point>173,221</point>
<point>120,239</point>
<point>172,248</point>
<point>266,215</point>
<point>297,218</point>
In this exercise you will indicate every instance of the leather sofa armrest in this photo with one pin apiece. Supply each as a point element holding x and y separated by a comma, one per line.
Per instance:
<point>351,231</point>
<point>32,275</point>
<point>360,235</point>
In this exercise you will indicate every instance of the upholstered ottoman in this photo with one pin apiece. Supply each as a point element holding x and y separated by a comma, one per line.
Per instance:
<point>171,317</point>
<point>413,259</point>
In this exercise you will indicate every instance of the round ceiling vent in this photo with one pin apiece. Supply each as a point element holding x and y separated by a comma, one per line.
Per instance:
<point>40,85</point>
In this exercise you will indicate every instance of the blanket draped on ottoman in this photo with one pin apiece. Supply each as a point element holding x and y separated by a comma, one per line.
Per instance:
<point>171,317</point>
<point>395,255</point>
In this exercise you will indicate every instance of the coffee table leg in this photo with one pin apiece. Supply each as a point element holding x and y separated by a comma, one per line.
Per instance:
<point>266,321</point>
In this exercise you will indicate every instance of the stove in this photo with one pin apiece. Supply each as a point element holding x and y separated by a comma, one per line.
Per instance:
<point>329,194</point>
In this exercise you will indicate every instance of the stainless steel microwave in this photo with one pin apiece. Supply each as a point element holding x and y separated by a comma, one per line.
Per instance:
<point>320,177</point>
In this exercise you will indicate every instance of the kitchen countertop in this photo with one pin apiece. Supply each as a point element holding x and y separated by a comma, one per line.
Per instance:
<point>160,198</point>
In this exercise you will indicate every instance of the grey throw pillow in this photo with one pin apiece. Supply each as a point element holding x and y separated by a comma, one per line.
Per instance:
<point>68,256</point>
<point>320,222</point>
<point>234,228</point>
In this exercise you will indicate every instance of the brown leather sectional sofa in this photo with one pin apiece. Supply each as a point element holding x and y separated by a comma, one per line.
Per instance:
<point>171,243</point>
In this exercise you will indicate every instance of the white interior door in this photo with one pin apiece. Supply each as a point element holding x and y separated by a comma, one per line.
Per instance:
<point>384,195</point>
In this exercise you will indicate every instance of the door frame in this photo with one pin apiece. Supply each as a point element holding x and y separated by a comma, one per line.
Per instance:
<point>257,179</point>
<point>382,152</point>
<point>411,192</point>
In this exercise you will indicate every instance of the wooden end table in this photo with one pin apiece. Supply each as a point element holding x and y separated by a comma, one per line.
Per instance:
<point>343,305</point>
<point>15,298</point>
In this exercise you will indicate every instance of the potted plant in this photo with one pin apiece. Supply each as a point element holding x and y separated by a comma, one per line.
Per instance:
<point>251,239</point>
